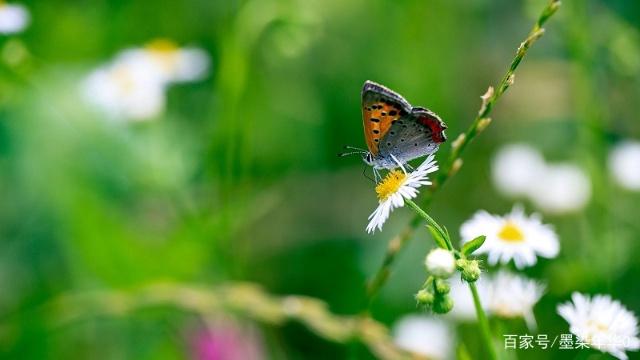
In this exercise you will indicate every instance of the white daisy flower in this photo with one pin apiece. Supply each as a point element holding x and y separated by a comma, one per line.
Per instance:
<point>172,63</point>
<point>134,85</point>
<point>513,296</point>
<point>603,323</point>
<point>520,170</point>
<point>440,263</point>
<point>562,188</point>
<point>513,236</point>
<point>464,310</point>
<point>425,336</point>
<point>624,164</point>
<point>397,186</point>
<point>125,90</point>
<point>13,18</point>
<point>515,169</point>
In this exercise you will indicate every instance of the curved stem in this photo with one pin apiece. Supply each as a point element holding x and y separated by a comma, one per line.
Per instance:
<point>454,161</point>
<point>483,322</point>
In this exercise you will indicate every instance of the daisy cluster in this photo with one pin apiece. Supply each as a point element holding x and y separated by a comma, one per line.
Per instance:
<point>519,170</point>
<point>133,85</point>
<point>515,240</point>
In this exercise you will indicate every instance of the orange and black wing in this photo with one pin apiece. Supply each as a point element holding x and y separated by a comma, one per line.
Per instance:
<point>381,107</point>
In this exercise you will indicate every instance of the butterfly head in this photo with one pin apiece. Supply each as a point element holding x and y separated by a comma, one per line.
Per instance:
<point>367,157</point>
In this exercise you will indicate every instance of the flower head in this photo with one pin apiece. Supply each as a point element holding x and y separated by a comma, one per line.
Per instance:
<point>602,323</point>
<point>171,63</point>
<point>562,188</point>
<point>133,86</point>
<point>624,164</point>
<point>515,167</point>
<point>13,18</point>
<point>513,236</point>
<point>521,170</point>
<point>424,336</point>
<point>125,90</point>
<point>440,263</point>
<point>397,186</point>
<point>512,296</point>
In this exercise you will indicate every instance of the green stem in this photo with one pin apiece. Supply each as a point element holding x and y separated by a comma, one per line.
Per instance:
<point>482,317</point>
<point>454,161</point>
<point>485,330</point>
<point>431,222</point>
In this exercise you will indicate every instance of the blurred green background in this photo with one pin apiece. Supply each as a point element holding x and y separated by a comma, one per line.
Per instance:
<point>238,179</point>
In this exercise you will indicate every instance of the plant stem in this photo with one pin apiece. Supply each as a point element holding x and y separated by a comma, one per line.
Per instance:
<point>431,222</point>
<point>454,160</point>
<point>482,317</point>
<point>485,330</point>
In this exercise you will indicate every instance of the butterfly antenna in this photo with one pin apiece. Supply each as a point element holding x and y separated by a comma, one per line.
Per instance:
<point>350,153</point>
<point>354,148</point>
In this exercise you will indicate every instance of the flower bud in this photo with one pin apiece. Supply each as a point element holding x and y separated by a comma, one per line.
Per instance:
<point>442,304</point>
<point>440,263</point>
<point>442,287</point>
<point>423,297</point>
<point>470,269</point>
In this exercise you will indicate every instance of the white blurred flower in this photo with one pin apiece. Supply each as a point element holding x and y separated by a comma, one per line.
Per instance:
<point>520,170</point>
<point>425,336</point>
<point>516,168</point>
<point>125,91</point>
<point>602,322</point>
<point>624,164</point>
<point>172,63</point>
<point>13,18</point>
<point>561,188</point>
<point>464,309</point>
<point>134,85</point>
<point>512,236</point>
<point>440,263</point>
<point>513,296</point>
<point>397,186</point>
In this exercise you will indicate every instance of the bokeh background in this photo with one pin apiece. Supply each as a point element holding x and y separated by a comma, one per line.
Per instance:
<point>237,178</point>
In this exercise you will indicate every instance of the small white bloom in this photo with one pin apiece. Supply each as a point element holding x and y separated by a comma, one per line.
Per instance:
<point>513,236</point>
<point>440,263</point>
<point>624,164</point>
<point>511,296</point>
<point>602,322</point>
<point>134,85</point>
<point>125,90</point>
<point>516,168</point>
<point>13,18</point>
<point>561,188</point>
<point>520,170</point>
<point>424,336</point>
<point>396,187</point>
<point>464,309</point>
<point>171,63</point>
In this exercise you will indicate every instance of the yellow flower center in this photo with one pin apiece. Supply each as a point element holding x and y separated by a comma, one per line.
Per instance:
<point>162,45</point>
<point>123,78</point>
<point>598,326</point>
<point>510,232</point>
<point>390,184</point>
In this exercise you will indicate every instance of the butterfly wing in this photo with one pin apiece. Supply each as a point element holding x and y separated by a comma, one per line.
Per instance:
<point>381,109</point>
<point>417,134</point>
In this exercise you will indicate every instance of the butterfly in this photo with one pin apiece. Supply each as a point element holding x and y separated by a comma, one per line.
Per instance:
<point>395,131</point>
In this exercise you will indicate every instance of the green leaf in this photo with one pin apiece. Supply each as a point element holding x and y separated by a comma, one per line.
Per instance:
<point>473,245</point>
<point>437,237</point>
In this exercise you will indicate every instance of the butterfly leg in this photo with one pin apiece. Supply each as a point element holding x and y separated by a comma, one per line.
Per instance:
<point>376,175</point>
<point>409,167</point>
